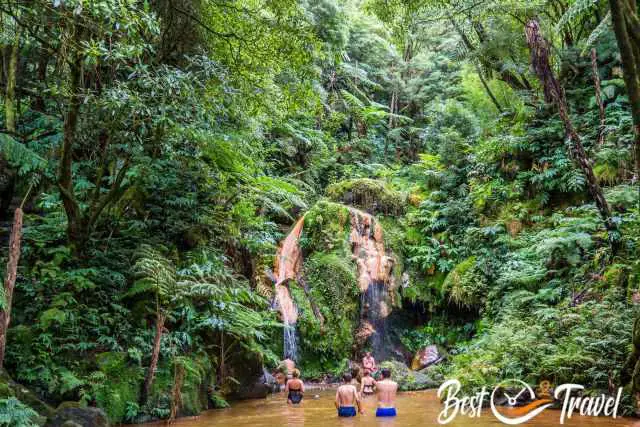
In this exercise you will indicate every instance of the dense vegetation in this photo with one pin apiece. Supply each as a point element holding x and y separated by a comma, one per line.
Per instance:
<point>161,150</point>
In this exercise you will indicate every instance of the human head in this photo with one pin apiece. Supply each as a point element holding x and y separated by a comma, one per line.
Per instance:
<point>368,354</point>
<point>296,373</point>
<point>367,372</point>
<point>386,373</point>
<point>347,377</point>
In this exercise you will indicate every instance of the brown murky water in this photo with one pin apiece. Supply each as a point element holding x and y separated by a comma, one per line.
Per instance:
<point>414,409</point>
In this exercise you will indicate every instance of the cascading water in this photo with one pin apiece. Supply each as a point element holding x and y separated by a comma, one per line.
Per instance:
<point>287,267</point>
<point>290,342</point>
<point>374,279</point>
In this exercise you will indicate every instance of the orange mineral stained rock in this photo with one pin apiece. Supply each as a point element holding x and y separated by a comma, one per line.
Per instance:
<point>287,267</point>
<point>367,245</point>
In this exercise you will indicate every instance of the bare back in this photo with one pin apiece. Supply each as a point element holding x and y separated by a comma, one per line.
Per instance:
<point>346,395</point>
<point>387,390</point>
<point>289,365</point>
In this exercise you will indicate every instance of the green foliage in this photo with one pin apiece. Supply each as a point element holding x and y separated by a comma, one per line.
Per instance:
<point>326,227</point>
<point>116,385</point>
<point>465,284</point>
<point>14,413</point>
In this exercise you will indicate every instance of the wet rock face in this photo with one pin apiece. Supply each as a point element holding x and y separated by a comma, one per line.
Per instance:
<point>66,416</point>
<point>287,267</point>
<point>367,245</point>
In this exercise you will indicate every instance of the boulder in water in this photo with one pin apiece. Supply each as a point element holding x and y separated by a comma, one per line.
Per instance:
<point>425,357</point>
<point>72,414</point>
<point>409,380</point>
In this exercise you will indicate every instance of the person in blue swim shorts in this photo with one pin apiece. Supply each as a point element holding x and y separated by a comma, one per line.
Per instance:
<point>347,398</point>
<point>387,390</point>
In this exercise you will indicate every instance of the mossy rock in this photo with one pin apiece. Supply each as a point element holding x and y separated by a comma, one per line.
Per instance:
<point>409,380</point>
<point>372,195</point>
<point>326,228</point>
<point>332,287</point>
<point>616,276</point>
<point>85,417</point>
<point>10,388</point>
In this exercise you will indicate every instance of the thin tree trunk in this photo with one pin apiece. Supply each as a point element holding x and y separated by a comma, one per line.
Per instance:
<point>10,280</point>
<point>176,391</point>
<point>553,92</point>
<point>596,83</point>
<point>155,356</point>
<point>487,88</point>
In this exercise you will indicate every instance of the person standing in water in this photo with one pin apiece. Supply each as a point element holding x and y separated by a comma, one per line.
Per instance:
<point>368,384</point>
<point>368,362</point>
<point>294,388</point>
<point>347,398</point>
<point>387,390</point>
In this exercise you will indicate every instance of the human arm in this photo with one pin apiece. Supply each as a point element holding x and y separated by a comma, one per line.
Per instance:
<point>358,403</point>
<point>337,397</point>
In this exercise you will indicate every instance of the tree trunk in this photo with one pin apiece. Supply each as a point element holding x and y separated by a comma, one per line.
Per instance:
<point>10,101</point>
<point>553,92</point>
<point>7,174</point>
<point>10,280</point>
<point>620,13</point>
<point>43,60</point>
<point>75,228</point>
<point>596,83</point>
<point>155,355</point>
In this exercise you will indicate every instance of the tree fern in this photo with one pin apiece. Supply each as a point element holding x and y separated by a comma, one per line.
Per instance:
<point>19,156</point>
<point>14,413</point>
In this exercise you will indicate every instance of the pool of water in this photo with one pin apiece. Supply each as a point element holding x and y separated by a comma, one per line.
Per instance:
<point>414,409</point>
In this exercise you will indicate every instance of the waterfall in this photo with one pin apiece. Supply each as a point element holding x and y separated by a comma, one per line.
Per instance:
<point>290,342</point>
<point>287,267</point>
<point>374,279</point>
<point>374,312</point>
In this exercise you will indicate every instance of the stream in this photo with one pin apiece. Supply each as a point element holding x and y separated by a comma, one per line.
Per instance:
<point>414,409</point>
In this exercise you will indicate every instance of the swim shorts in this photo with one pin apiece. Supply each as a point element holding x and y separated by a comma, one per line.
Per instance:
<point>386,412</point>
<point>347,411</point>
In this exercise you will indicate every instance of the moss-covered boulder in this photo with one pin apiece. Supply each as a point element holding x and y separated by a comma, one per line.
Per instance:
<point>616,276</point>
<point>10,388</point>
<point>327,341</point>
<point>71,415</point>
<point>412,380</point>
<point>372,195</point>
